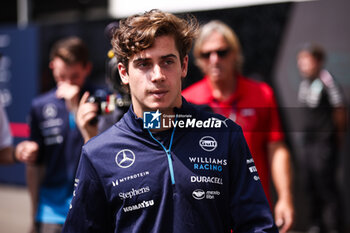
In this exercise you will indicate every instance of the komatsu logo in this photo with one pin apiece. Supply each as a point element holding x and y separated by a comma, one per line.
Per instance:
<point>138,206</point>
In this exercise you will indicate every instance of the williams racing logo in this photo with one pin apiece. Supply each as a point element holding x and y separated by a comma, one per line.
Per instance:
<point>157,120</point>
<point>208,163</point>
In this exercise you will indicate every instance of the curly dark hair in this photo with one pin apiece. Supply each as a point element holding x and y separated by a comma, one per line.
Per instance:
<point>138,32</point>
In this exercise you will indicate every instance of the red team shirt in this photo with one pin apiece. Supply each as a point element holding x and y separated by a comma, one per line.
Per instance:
<point>253,107</point>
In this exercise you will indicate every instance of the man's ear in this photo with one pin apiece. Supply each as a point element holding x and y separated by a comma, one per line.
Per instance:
<point>184,67</point>
<point>52,64</point>
<point>123,72</point>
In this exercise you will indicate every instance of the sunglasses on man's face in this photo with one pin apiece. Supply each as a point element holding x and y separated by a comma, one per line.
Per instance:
<point>221,53</point>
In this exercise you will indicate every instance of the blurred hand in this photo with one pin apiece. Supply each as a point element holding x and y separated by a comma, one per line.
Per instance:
<point>27,152</point>
<point>70,93</point>
<point>284,214</point>
<point>85,114</point>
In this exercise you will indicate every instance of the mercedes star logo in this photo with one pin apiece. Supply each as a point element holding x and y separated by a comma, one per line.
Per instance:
<point>125,158</point>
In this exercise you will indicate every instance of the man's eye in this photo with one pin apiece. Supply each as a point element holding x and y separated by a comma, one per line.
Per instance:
<point>143,64</point>
<point>168,62</point>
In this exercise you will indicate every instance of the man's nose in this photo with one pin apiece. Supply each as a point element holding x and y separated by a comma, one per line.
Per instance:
<point>214,57</point>
<point>158,74</point>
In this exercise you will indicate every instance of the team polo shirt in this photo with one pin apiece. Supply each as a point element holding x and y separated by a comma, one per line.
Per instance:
<point>184,179</point>
<point>319,97</point>
<point>253,107</point>
<point>53,128</point>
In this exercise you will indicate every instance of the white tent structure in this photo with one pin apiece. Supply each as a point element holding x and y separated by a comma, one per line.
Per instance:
<point>122,8</point>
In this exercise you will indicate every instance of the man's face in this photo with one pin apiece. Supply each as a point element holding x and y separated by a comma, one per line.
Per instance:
<point>154,77</point>
<point>217,59</point>
<point>308,65</point>
<point>74,74</point>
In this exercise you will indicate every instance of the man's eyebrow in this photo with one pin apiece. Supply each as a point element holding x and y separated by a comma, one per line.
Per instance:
<point>169,55</point>
<point>140,59</point>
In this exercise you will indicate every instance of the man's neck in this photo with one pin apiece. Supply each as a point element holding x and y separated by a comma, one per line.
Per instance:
<point>223,88</point>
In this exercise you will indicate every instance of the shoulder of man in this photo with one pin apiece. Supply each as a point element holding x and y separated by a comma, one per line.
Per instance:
<point>256,84</point>
<point>44,98</point>
<point>258,90</point>
<point>197,93</point>
<point>202,113</point>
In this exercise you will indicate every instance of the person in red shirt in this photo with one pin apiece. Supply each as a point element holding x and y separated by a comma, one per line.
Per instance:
<point>249,103</point>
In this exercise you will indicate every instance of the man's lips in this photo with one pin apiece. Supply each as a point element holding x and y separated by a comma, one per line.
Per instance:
<point>158,93</point>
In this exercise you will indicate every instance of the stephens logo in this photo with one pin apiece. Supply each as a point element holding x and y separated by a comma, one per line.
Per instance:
<point>151,120</point>
<point>125,158</point>
<point>208,143</point>
<point>134,192</point>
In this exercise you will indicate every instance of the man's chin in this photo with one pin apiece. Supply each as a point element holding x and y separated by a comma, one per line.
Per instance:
<point>158,106</point>
<point>215,77</point>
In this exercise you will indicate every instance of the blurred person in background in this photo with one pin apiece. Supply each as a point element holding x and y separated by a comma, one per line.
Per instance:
<point>250,104</point>
<point>55,140</point>
<point>7,152</point>
<point>95,115</point>
<point>324,124</point>
<point>6,140</point>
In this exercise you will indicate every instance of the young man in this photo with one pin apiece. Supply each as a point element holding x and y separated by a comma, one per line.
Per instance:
<point>170,179</point>
<point>55,139</point>
<point>89,117</point>
<point>324,125</point>
<point>250,104</point>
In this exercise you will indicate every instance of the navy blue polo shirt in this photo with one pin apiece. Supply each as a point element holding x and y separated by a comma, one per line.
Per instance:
<point>53,128</point>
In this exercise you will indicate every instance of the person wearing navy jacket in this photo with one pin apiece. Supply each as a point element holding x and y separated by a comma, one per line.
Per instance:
<point>166,166</point>
<point>55,141</point>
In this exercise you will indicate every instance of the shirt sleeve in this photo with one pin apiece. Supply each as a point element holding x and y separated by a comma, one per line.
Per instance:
<point>6,139</point>
<point>335,95</point>
<point>249,207</point>
<point>89,210</point>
